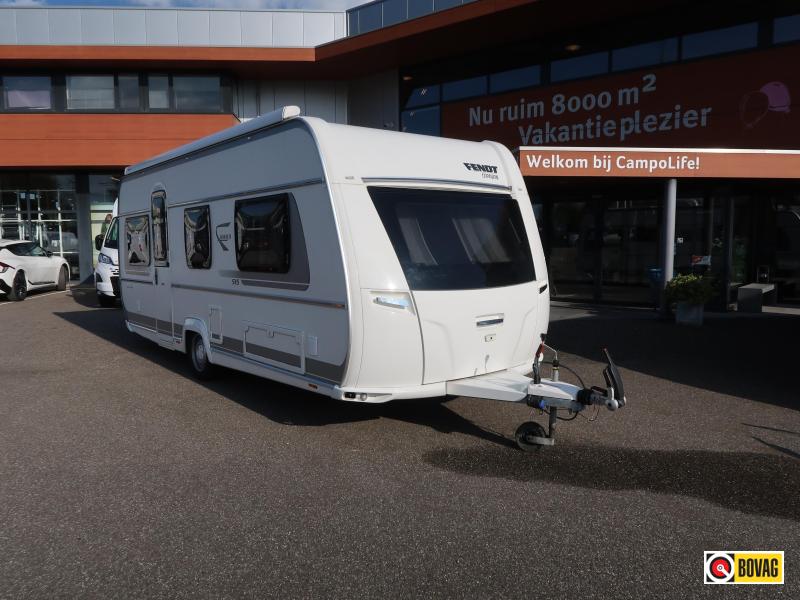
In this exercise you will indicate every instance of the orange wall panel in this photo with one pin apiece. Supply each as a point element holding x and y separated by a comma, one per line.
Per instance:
<point>98,140</point>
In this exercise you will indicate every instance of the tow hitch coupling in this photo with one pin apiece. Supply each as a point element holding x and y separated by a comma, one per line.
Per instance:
<point>552,395</point>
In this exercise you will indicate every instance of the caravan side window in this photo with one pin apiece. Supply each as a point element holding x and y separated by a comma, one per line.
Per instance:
<point>197,237</point>
<point>262,234</point>
<point>137,235</point>
<point>158,203</point>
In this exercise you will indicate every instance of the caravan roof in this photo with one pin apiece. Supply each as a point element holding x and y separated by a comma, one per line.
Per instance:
<point>373,155</point>
<point>251,126</point>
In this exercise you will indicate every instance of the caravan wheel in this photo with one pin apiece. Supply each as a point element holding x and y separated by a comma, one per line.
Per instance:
<point>201,366</point>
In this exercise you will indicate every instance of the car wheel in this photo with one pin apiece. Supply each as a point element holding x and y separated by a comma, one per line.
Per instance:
<point>19,287</point>
<point>62,279</point>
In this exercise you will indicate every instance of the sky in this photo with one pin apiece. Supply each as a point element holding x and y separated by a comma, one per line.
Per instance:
<point>233,4</point>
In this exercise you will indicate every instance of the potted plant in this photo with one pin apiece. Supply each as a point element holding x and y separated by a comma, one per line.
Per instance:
<point>689,293</point>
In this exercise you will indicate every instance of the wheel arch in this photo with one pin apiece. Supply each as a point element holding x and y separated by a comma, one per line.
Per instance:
<point>196,326</point>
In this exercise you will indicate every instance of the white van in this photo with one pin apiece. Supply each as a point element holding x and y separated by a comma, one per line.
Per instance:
<point>106,273</point>
<point>362,264</point>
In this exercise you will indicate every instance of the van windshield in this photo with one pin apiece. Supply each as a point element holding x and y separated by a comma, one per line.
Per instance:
<point>455,240</point>
<point>112,237</point>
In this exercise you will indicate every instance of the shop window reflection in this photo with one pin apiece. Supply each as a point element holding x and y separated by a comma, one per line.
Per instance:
<point>573,247</point>
<point>46,208</point>
<point>422,120</point>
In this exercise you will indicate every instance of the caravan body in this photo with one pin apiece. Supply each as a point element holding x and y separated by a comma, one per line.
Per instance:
<point>362,264</point>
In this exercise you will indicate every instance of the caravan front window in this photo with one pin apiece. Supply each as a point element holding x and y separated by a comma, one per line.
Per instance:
<point>455,240</point>
<point>262,234</point>
<point>137,230</point>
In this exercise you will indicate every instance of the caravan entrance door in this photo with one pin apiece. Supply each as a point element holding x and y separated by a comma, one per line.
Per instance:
<point>162,280</point>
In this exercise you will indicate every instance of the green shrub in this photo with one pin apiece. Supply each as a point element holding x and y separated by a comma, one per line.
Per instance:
<point>690,288</point>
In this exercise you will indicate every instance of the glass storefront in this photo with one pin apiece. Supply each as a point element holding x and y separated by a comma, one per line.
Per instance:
<point>602,238</point>
<point>601,243</point>
<point>57,210</point>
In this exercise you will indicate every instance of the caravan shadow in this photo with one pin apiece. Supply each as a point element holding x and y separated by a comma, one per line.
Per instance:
<point>746,482</point>
<point>749,357</point>
<point>280,403</point>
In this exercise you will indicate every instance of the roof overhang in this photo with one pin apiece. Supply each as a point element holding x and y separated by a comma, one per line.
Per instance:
<point>462,29</point>
<point>275,62</point>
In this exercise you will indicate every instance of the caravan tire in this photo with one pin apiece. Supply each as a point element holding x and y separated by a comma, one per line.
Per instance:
<point>198,358</point>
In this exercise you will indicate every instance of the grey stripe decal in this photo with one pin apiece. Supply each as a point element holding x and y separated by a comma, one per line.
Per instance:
<point>155,324</point>
<point>317,368</point>
<point>142,320</point>
<point>229,344</point>
<point>271,354</point>
<point>312,301</point>
<point>164,326</point>
<point>480,184</point>
<point>328,371</point>
<point>275,284</point>
<point>263,365</point>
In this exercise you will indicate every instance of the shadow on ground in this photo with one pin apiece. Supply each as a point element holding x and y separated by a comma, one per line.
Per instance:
<point>760,484</point>
<point>296,408</point>
<point>749,357</point>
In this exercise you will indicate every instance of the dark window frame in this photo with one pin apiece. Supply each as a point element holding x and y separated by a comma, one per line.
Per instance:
<point>206,264</point>
<point>118,98</point>
<point>774,30</point>
<point>422,109</point>
<point>170,101</point>
<point>283,201</point>
<point>174,96</point>
<point>58,92</point>
<point>21,110</point>
<point>115,108</point>
<point>710,33</point>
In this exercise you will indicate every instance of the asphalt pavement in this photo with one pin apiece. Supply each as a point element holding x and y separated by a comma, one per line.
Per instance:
<point>122,476</point>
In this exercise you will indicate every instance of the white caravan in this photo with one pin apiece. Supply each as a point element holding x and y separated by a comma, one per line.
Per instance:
<point>362,264</point>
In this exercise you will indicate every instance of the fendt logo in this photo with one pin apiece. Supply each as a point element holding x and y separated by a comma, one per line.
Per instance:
<point>486,171</point>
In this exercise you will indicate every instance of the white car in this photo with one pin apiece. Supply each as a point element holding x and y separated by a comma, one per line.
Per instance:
<point>26,266</point>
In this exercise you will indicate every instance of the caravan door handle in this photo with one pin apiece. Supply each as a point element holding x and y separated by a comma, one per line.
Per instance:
<point>155,272</point>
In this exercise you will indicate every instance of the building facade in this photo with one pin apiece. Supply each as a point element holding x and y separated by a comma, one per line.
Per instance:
<point>86,92</point>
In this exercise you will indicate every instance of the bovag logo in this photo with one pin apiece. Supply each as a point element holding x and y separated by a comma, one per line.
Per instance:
<point>743,567</point>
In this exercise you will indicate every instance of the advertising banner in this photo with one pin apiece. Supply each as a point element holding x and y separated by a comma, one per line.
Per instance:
<point>746,100</point>
<point>659,162</point>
